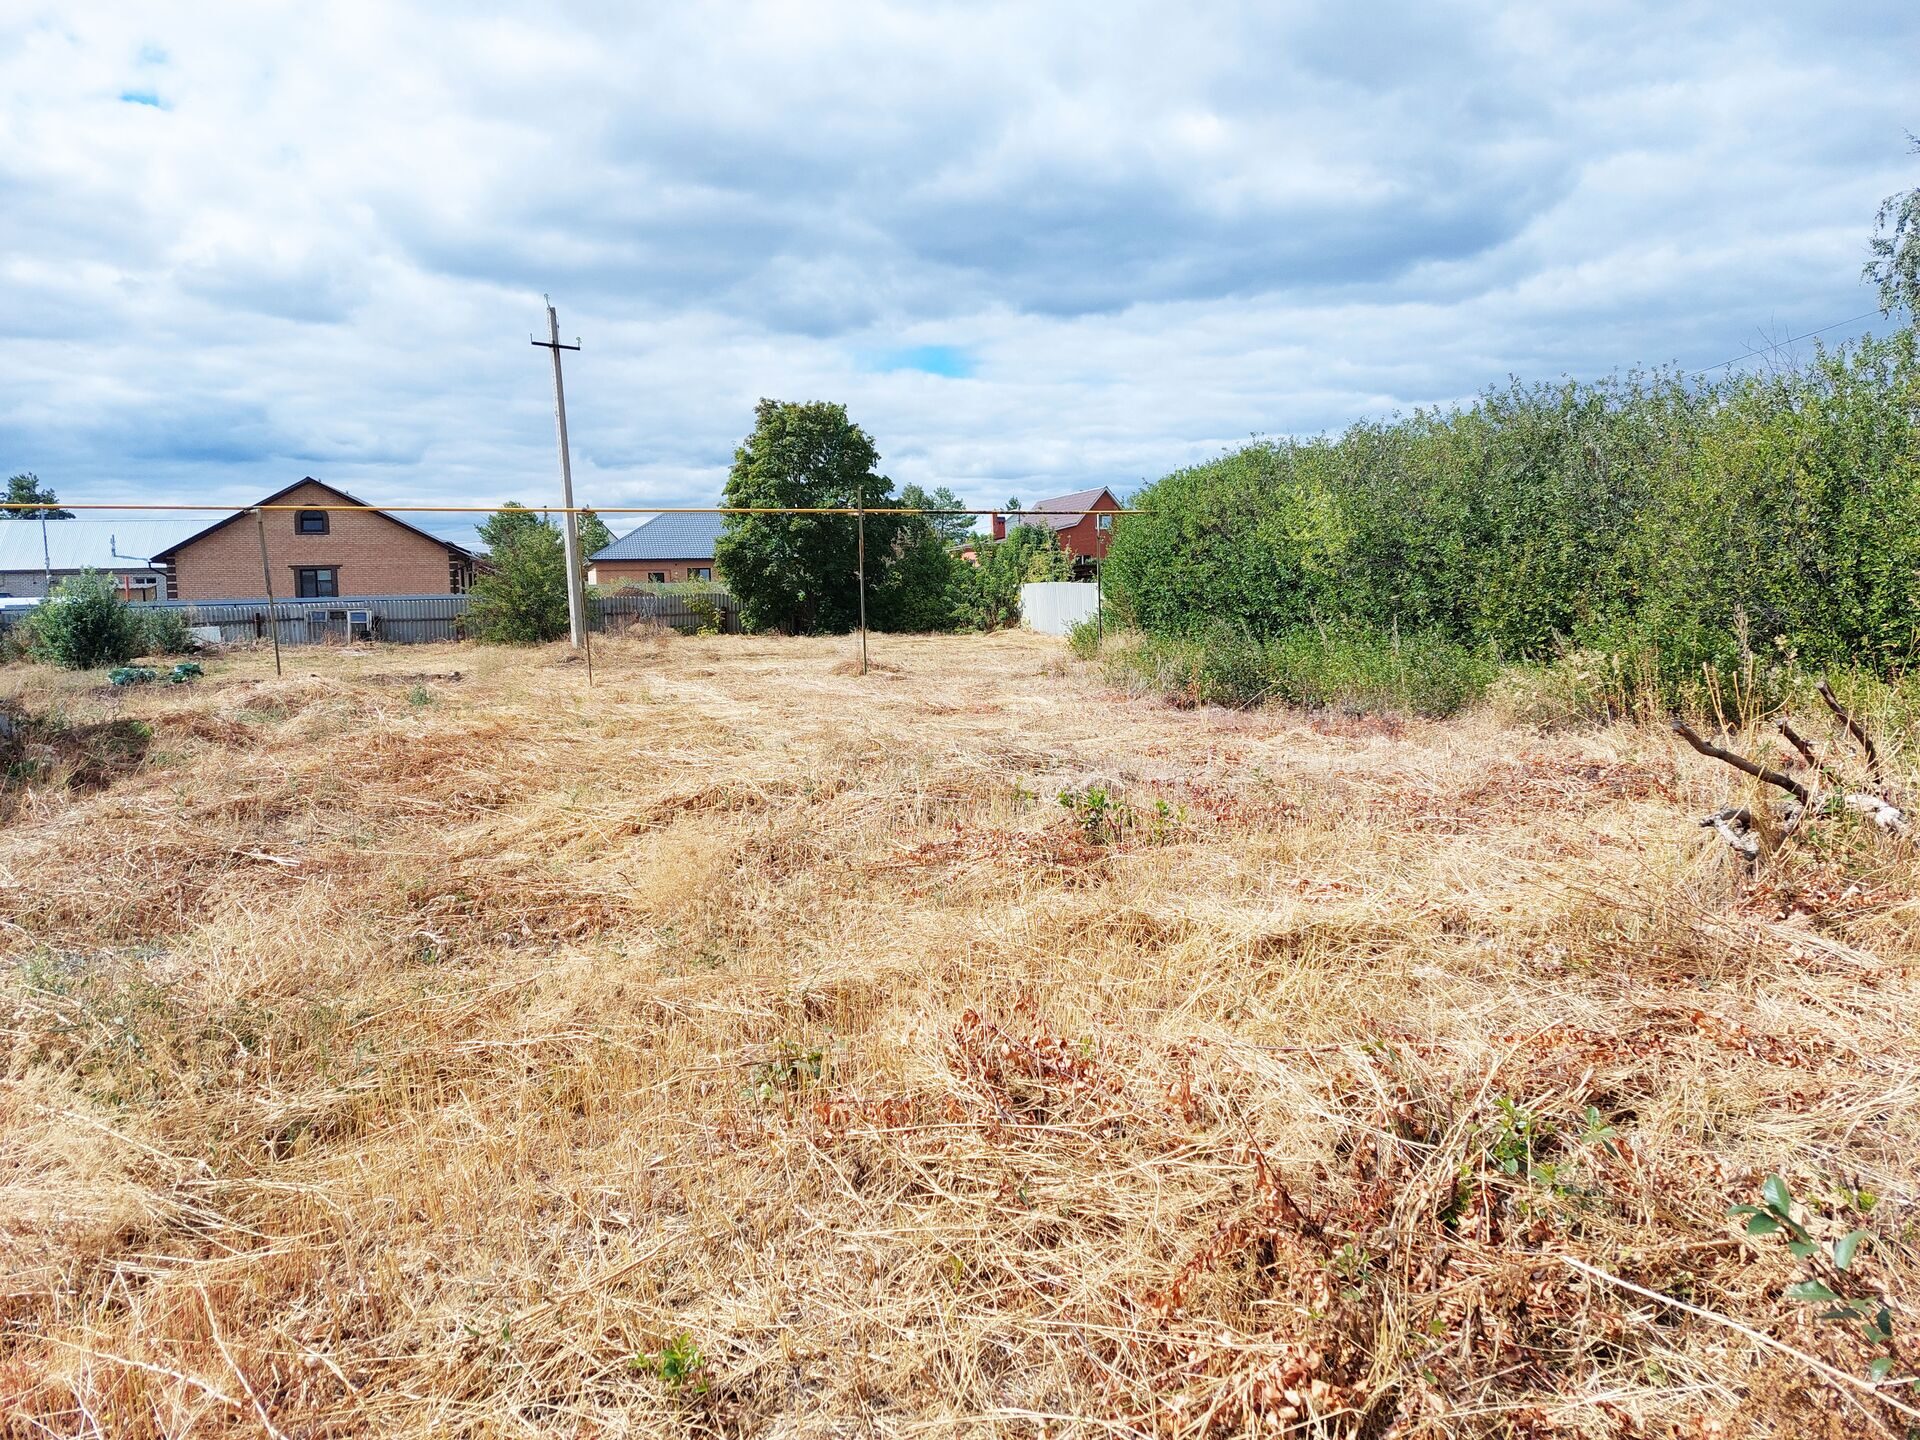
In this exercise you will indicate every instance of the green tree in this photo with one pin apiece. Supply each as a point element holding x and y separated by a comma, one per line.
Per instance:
<point>1895,267</point>
<point>923,585</point>
<point>522,598</point>
<point>509,522</point>
<point>990,595</point>
<point>798,572</point>
<point>594,535</point>
<point>83,624</point>
<point>954,529</point>
<point>26,489</point>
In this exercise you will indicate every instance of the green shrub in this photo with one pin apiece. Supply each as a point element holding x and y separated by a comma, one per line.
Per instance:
<point>1678,522</point>
<point>1084,639</point>
<point>164,632</point>
<point>522,600</point>
<point>83,625</point>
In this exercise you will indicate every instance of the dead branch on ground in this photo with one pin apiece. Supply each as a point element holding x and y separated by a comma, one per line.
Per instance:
<point>1825,792</point>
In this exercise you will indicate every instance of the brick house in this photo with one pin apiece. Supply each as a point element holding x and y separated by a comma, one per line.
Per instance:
<point>667,549</point>
<point>1080,520</point>
<point>314,554</point>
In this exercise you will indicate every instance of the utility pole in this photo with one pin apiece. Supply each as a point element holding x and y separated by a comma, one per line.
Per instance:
<point>570,528</point>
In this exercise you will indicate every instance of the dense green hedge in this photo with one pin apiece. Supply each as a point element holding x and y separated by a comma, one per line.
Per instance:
<point>1653,513</point>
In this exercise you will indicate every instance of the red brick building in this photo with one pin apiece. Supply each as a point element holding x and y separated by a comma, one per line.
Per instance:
<point>316,554</point>
<point>1082,520</point>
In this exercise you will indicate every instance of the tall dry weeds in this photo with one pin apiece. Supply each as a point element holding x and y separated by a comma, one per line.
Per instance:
<point>744,1047</point>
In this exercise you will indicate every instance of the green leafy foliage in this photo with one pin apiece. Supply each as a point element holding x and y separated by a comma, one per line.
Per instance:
<point>1894,269</point>
<point>594,535</point>
<point>799,573</point>
<point>1348,666</point>
<point>1868,1315</point>
<point>678,1365</point>
<point>164,632</point>
<point>522,600</point>
<point>789,1067</point>
<point>83,625</point>
<point>1656,515</point>
<point>954,529</point>
<point>507,524</point>
<point>1106,817</point>
<point>26,490</point>
<point>989,593</point>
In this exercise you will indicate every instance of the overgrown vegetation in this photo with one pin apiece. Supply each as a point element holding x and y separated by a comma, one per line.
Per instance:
<point>1666,522</point>
<point>1345,666</point>
<point>521,599</point>
<point>85,624</point>
<point>797,573</point>
<point>800,573</point>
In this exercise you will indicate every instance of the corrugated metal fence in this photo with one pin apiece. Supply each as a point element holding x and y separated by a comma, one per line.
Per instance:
<point>413,619</point>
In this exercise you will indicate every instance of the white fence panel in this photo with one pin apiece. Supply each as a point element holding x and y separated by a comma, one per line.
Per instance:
<point>1054,607</point>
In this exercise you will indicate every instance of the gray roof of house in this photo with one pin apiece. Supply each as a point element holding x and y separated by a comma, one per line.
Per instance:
<point>667,537</point>
<point>89,544</point>
<point>1063,512</point>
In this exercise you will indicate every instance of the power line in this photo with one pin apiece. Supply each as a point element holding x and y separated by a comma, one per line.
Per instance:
<point>1761,350</point>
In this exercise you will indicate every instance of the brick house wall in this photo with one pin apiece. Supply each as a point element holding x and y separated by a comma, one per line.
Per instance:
<point>1084,539</point>
<point>635,572</point>
<point>372,553</point>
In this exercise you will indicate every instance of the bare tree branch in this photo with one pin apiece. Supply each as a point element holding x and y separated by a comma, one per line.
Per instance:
<point>1740,762</point>
<point>1800,743</point>
<point>1853,728</point>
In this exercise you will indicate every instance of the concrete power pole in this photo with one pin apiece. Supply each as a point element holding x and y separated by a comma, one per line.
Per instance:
<point>576,575</point>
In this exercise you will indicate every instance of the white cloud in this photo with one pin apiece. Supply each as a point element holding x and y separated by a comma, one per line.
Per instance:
<point>1150,231</point>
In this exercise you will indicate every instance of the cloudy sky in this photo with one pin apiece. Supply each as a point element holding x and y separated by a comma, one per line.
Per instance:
<point>1032,247</point>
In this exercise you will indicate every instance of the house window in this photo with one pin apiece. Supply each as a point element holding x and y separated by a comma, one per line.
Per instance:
<point>316,582</point>
<point>1103,522</point>
<point>699,572</point>
<point>310,522</point>
<point>656,577</point>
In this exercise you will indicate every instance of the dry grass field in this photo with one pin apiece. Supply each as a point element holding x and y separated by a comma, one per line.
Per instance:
<point>746,1047</point>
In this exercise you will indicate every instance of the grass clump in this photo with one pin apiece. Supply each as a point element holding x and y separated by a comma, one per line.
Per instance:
<point>1348,667</point>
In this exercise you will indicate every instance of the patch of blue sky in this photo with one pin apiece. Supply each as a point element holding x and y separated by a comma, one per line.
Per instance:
<point>951,362</point>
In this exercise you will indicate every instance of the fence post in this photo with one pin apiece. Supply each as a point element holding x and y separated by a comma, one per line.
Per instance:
<point>860,518</point>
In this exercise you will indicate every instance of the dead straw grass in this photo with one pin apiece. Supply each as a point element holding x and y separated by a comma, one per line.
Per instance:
<point>747,1048</point>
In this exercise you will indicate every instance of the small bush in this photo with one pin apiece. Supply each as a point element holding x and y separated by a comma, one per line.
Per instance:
<point>1084,639</point>
<point>164,632</point>
<point>83,625</point>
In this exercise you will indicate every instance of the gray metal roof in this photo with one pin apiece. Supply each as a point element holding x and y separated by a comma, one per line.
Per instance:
<point>89,544</point>
<point>1063,512</point>
<point>667,537</point>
